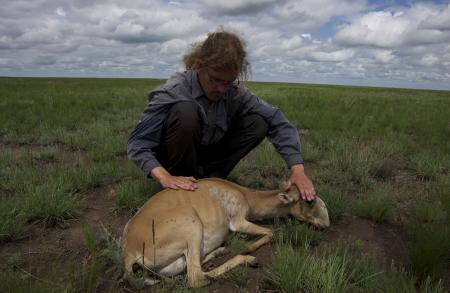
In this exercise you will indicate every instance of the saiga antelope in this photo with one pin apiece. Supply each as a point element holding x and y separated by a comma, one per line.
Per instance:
<point>177,230</point>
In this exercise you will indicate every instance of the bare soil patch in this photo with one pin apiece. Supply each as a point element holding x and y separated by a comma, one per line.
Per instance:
<point>385,242</point>
<point>47,249</point>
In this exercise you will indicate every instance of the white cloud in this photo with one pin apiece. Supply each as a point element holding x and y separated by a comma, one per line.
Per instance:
<point>306,36</point>
<point>384,56</point>
<point>308,15</point>
<point>174,47</point>
<point>382,29</point>
<point>429,60</point>
<point>60,11</point>
<point>291,43</point>
<point>438,21</point>
<point>336,56</point>
<point>325,41</point>
<point>415,25</point>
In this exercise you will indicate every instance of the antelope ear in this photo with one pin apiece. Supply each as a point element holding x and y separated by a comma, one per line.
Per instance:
<point>285,198</point>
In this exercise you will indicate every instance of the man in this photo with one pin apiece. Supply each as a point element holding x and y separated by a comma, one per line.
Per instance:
<point>201,122</point>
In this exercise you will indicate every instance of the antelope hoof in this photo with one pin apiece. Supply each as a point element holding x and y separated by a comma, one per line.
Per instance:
<point>254,263</point>
<point>150,282</point>
<point>199,282</point>
<point>249,260</point>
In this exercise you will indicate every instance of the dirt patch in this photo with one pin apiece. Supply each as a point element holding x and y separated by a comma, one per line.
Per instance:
<point>384,242</point>
<point>46,249</point>
<point>252,279</point>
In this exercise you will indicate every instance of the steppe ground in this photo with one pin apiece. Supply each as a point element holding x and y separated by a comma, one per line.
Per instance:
<point>379,157</point>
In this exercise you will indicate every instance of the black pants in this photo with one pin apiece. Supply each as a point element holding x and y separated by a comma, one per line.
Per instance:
<point>182,154</point>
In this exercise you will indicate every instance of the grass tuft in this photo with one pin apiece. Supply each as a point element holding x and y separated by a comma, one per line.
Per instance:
<point>52,205</point>
<point>337,270</point>
<point>293,232</point>
<point>13,222</point>
<point>429,165</point>
<point>133,194</point>
<point>337,204</point>
<point>429,248</point>
<point>378,205</point>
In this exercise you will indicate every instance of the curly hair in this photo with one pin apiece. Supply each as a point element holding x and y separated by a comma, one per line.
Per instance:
<point>221,50</point>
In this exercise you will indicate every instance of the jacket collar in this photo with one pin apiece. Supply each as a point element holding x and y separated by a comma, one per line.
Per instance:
<point>197,90</point>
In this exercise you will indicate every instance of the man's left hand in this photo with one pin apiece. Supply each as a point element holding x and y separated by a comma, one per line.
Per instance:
<point>302,182</point>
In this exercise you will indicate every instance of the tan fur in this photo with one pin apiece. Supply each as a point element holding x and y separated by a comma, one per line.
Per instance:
<point>177,229</point>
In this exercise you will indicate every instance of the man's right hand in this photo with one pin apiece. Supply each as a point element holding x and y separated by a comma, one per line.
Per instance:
<point>173,182</point>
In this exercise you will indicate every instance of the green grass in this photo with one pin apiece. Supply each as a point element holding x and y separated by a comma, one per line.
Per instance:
<point>377,152</point>
<point>429,249</point>
<point>16,281</point>
<point>340,268</point>
<point>133,194</point>
<point>378,205</point>
<point>336,201</point>
<point>292,232</point>
<point>337,270</point>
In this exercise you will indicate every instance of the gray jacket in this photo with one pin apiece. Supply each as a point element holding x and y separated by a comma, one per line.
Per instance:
<point>238,101</point>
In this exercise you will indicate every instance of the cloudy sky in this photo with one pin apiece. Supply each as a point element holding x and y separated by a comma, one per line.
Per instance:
<point>399,43</point>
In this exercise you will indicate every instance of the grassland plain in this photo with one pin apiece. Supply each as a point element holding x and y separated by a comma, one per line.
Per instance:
<point>379,157</point>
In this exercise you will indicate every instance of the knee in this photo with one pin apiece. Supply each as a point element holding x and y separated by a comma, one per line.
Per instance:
<point>258,126</point>
<point>184,116</point>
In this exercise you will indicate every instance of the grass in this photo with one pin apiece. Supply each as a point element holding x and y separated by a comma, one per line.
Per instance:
<point>334,271</point>
<point>340,268</point>
<point>292,232</point>
<point>378,205</point>
<point>15,281</point>
<point>376,152</point>
<point>337,203</point>
<point>133,194</point>
<point>429,229</point>
<point>429,165</point>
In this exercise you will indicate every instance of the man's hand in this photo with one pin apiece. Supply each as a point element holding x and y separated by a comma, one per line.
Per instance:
<point>302,182</point>
<point>173,182</point>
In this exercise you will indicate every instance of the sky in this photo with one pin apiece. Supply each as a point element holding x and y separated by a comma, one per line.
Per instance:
<point>390,43</point>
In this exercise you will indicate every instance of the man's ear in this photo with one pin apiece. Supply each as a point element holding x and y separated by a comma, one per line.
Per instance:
<point>285,197</point>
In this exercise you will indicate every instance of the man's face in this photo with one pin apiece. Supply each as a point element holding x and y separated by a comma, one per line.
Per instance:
<point>215,82</point>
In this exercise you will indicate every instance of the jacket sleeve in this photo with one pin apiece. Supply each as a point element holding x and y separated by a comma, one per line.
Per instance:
<point>282,134</point>
<point>144,138</point>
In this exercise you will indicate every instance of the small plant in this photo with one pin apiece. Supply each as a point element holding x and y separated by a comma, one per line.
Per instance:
<point>238,242</point>
<point>397,279</point>
<point>52,205</point>
<point>430,240</point>
<point>385,170</point>
<point>236,275</point>
<point>46,154</point>
<point>13,223</point>
<point>19,282</point>
<point>293,232</point>
<point>85,277</point>
<point>15,261</point>
<point>133,194</point>
<point>110,251</point>
<point>347,165</point>
<point>429,211</point>
<point>378,205</point>
<point>337,204</point>
<point>429,165</point>
<point>337,270</point>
